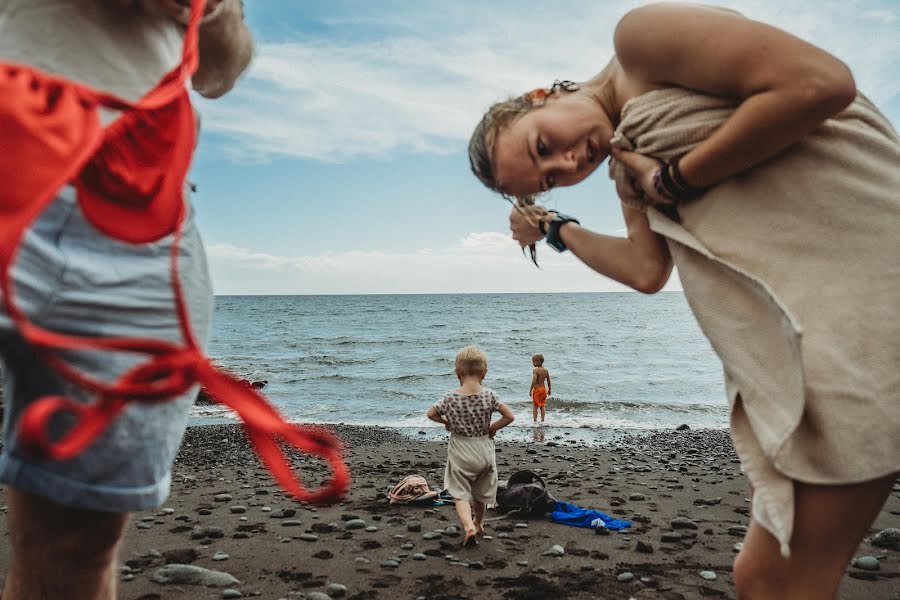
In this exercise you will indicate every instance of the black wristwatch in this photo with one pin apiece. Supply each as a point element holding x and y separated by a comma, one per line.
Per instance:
<point>553,239</point>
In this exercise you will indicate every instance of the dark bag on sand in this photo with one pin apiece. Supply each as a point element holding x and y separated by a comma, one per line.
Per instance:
<point>525,493</point>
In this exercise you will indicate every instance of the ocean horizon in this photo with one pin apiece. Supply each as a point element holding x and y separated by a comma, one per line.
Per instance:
<point>619,361</point>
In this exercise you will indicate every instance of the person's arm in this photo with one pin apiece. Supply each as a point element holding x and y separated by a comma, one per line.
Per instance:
<point>641,261</point>
<point>506,417</point>
<point>548,383</point>
<point>225,43</point>
<point>437,417</point>
<point>534,378</point>
<point>226,47</point>
<point>788,87</point>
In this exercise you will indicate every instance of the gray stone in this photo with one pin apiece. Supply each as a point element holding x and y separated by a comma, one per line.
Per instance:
<point>355,524</point>
<point>625,577</point>
<point>408,546</point>
<point>452,531</point>
<point>282,513</point>
<point>317,596</point>
<point>373,529</point>
<point>737,530</point>
<point>220,556</point>
<point>708,575</point>
<point>431,535</point>
<point>644,548</point>
<point>419,556</point>
<point>336,590</point>
<point>670,537</point>
<point>237,509</point>
<point>683,523</point>
<point>309,537</point>
<point>198,533</point>
<point>867,563</point>
<point>192,575</point>
<point>390,564</point>
<point>414,527</point>
<point>556,550</point>
<point>636,497</point>
<point>291,523</point>
<point>222,498</point>
<point>231,593</point>
<point>887,538</point>
<point>522,563</point>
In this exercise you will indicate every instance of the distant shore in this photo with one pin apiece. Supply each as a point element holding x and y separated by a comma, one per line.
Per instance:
<point>225,514</point>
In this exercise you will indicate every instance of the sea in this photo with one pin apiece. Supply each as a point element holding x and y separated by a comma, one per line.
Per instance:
<point>619,362</point>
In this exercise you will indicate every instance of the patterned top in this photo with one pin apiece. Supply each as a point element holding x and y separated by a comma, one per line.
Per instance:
<point>469,414</point>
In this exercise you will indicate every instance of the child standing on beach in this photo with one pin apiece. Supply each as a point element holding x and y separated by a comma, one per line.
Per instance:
<point>539,391</point>
<point>471,472</point>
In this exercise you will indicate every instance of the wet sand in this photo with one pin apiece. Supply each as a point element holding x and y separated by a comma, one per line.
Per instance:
<point>225,514</point>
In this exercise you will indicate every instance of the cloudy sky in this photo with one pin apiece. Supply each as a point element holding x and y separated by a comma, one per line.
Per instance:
<point>338,164</point>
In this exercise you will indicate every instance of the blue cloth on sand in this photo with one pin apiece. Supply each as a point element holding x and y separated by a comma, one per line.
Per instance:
<point>570,514</point>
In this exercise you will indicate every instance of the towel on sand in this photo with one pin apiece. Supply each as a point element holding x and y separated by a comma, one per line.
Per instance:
<point>792,269</point>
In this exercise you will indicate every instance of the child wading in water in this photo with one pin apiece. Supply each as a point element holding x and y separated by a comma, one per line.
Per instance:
<point>539,391</point>
<point>471,472</point>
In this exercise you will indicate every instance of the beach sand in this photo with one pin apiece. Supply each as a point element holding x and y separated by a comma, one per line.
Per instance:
<point>225,514</point>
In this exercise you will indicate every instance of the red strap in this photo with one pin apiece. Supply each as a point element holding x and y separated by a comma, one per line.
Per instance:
<point>129,179</point>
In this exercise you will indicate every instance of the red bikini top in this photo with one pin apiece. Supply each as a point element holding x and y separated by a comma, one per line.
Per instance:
<point>129,179</point>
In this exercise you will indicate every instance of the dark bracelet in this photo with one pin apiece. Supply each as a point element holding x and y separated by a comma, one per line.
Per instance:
<point>690,192</point>
<point>670,184</point>
<point>542,223</point>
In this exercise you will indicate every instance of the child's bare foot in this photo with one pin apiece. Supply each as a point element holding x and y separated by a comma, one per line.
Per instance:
<point>479,528</point>
<point>470,540</point>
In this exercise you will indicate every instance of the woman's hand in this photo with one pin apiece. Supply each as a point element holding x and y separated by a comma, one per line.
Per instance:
<point>523,222</point>
<point>641,168</point>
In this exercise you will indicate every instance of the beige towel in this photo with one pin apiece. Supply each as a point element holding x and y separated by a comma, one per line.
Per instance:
<point>793,272</point>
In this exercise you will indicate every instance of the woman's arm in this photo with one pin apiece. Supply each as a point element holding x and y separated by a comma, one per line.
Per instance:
<point>226,47</point>
<point>788,87</point>
<point>641,261</point>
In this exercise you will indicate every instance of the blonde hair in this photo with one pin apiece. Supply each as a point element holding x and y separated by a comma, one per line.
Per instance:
<point>471,360</point>
<point>538,358</point>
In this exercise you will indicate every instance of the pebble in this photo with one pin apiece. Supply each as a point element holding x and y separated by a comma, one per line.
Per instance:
<point>521,525</point>
<point>291,523</point>
<point>281,513</point>
<point>390,564</point>
<point>220,556</point>
<point>431,535</point>
<point>167,511</point>
<point>636,497</point>
<point>867,563</point>
<point>522,563</point>
<point>192,575</point>
<point>143,525</point>
<point>408,546</point>
<point>317,596</point>
<point>644,548</point>
<point>336,590</point>
<point>309,537</point>
<point>737,530</point>
<point>222,498</point>
<point>355,524</point>
<point>452,531</point>
<point>684,523</point>
<point>625,577</point>
<point>414,527</point>
<point>237,509</point>
<point>887,538</point>
<point>371,529</point>
<point>737,547</point>
<point>231,593</point>
<point>419,556</point>
<point>708,575</point>
<point>670,537</point>
<point>556,550</point>
<point>360,560</point>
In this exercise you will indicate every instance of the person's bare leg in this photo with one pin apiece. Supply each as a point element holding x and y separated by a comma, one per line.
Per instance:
<point>60,552</point>
<point>829,523</point>
<point>542,414</point>
<point>478,509</point>
<point>534,410</point>
<point>464,512</point>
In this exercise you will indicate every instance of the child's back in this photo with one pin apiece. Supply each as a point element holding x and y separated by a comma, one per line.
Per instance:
<point>471,472</point>
<point>540,386</point>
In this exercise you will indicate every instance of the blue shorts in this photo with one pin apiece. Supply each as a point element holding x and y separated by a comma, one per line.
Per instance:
<point>71,278</point>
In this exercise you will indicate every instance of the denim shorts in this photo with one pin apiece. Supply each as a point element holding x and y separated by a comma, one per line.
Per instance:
<point>71,278</point>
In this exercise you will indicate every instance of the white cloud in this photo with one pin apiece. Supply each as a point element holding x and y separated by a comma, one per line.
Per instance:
<point>480,262</point>
<point>423,87</point>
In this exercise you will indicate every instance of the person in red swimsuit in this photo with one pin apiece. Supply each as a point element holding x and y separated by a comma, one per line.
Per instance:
<point>66,517</point>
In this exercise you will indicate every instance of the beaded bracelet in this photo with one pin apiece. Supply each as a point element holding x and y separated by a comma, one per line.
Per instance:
<point>671,185</point>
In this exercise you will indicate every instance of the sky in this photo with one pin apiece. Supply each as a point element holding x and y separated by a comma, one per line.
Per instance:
<point>338,164</point>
